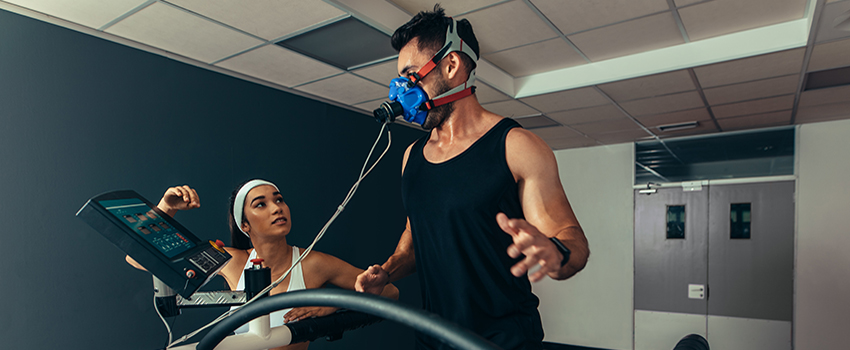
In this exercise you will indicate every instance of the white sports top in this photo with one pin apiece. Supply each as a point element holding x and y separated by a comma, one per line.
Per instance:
<point>296,282</point>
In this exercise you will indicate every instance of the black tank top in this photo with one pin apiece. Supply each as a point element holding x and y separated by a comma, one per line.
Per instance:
<point>461,252</point>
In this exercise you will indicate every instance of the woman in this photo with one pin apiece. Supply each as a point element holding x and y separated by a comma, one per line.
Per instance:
<point>259,217</point>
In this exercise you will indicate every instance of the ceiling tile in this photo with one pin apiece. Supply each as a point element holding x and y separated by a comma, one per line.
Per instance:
<point>639,35</point>
<point>840,94</point>
<point>557,132</point>
<point>265,63</point>
<point>345,88</point>
<point>649,86</point>
<point>682,3</point>
<point>663,104</point>
<point>379,13</point>
<point>91,13</point>
<point>586,115</point>
<point>566,100</point>
<point>380,73</point>
<point>753,107</point>
<point>453,8</point>
<point>827,78</point>
<point>268,19</point>
<point>621,136</point>
<point>756,121</point>
<point>347,43</point>
<point>370,106</point>
<point>690,115</point>
<point>833,111</point>
<point>607,126</point>
<point>575,142</point>
<point>535,122</point>
<point>752,90</point>
<point>175,30</point>
<point>830,55</point>
<point>510,108</point>
<point>751,68</point>
<point>487,94</point>
<point>508,25</point>
<point>719,17</point>
<point>578,15</point>
<point>536,58</point>
<point>829,28</point>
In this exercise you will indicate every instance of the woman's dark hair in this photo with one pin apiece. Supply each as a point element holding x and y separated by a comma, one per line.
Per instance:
<point>238,239</point>
<point>429,27</point>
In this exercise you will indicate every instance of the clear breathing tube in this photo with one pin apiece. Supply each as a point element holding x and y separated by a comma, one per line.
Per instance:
<point>340,208</point>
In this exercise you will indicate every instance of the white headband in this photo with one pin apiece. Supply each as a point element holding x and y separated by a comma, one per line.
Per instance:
<point>239,202</point>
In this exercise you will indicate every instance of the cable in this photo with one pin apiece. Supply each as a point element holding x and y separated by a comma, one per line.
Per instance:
<point>173,322</point>
<point>173,319</point>
<point>167,328</point>
<point>319,236</point>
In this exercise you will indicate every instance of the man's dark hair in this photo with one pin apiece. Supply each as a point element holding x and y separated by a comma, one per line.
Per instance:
<point>429,27</point>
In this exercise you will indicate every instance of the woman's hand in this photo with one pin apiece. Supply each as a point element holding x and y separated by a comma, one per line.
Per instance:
<point>300,313</point>
<point>179,198</point>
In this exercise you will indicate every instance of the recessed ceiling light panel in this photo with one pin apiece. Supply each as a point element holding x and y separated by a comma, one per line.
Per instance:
<point>536,122</point>
<point>827,78</point>
<point>677,126</point>
<point>344,44</point>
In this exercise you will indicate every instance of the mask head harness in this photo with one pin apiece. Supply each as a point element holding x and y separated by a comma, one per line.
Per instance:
<point>411,100</point>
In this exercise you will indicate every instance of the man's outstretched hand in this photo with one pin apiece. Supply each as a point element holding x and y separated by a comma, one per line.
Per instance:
<point>536,247</point>
<point>372,280</point>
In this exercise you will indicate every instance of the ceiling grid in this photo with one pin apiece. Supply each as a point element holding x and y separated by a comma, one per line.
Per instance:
<point>128,14</point>
<point>704,99</point>
<point>584,67</point>
<point>555,29</point>
<point>813,34</point>
<point>678,19</point>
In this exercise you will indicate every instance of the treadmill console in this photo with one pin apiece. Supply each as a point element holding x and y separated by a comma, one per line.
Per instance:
<point>155,240</point>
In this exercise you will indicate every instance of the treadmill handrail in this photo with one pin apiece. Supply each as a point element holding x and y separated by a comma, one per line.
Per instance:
<point>420,320</point>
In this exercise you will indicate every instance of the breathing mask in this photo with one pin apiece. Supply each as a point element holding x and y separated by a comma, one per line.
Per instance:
<point>411,101</point>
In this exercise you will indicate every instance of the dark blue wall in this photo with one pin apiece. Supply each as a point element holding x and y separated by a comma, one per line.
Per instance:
<point>81,115</point>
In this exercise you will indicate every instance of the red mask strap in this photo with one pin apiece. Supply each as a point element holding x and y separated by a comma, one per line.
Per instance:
<point>428,67</point>
<point>451,98</point>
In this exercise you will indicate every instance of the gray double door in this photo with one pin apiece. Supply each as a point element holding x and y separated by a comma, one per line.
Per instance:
<point>723,250</point>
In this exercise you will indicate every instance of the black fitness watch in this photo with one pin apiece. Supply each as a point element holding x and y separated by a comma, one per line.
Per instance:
<point>563,249</point>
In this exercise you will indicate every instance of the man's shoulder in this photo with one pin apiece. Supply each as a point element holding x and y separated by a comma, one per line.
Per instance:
<point>525,140</point>
<point>527,154</point>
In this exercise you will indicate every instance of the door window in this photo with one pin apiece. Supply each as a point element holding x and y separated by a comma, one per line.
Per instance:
<point>675,222</point>
<point>739,224</point>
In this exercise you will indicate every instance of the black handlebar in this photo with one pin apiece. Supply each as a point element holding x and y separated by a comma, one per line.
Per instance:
<point>422,321</point>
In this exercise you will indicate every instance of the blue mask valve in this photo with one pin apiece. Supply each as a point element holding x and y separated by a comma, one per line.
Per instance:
<point>404,100</point>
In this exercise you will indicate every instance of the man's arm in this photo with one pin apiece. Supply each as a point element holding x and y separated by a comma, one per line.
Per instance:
<point>547,212</point>
<point>403,261</point>
<point>324,268</point>
<point>399,265</point>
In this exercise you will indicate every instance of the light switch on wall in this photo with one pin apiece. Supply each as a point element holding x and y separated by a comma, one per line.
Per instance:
<point>696,291</point>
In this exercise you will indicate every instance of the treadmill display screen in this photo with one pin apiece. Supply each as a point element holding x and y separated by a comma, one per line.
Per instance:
<point>147,223</point>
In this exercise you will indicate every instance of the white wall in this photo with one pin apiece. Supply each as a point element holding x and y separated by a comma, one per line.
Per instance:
<point>595,307</point>
<point>822,304</point>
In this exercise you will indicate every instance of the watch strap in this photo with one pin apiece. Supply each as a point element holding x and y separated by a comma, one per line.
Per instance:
<point>563,249</point>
